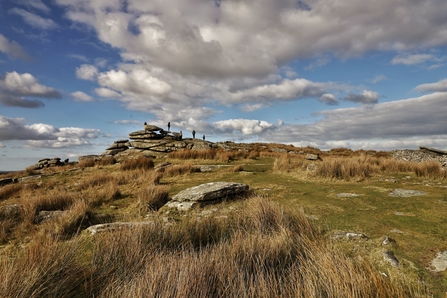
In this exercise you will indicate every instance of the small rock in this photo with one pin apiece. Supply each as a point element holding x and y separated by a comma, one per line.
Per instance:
<point>390,258</point>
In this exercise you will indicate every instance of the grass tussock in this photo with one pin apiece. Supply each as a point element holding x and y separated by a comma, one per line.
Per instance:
<point>87,163</point>
<point>209,154</point>
<point>345,169</point>
<point>287,163</point>
<point>109,160</point>
<point>178,170</point>
<point>8,191</point>
<point>432,170</point>
<point>153,197</point>
<point>139,163</point>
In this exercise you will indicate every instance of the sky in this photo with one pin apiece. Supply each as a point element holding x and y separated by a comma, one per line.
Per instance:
<point>77,75</point>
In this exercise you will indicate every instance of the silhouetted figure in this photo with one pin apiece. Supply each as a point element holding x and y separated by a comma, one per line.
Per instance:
<point>145,123</point>
<point>193,134</point>
<point>169,126</point>
<point>203,137</point>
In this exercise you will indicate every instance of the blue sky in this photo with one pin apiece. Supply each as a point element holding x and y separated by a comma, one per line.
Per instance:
<point>76,75</point>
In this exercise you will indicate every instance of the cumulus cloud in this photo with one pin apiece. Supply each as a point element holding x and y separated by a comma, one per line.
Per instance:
<point>12,49</point>
<point>107,93</point>
<point>285,90</point>
<point>415,117</point>
<point>249,38</point>
<point>44,135</point>
<point>245,126</point>
<point>15,87</point>
<point>329,99</point>
<point>411,59</point>
<point>367,97</point>
<point>81,96</point>
<point>440,86</point>
<point>34,20</point>
<point>87,72</point>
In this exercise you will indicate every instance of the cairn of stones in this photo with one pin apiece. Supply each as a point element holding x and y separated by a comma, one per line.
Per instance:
<point>152,140</point>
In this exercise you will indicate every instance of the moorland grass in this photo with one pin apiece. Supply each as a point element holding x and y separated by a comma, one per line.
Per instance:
<point>266,249</point>
<point>262,251</point>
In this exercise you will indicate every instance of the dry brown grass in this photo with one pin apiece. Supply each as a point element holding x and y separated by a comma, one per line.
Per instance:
<point>177,170</point>
<point>357,167</point>
<point>9,191</point>
<point>262,251</point>
<point>139,163</point>
<point>153,197</point>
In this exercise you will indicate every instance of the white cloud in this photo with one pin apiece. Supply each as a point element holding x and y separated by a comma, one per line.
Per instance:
<point>412,59</point>
<point>79,57</point>
<point>14,87</point>
<point>2,145</point>
<point>440,86</point>
<point>107,93</point>
<point>34,20</point>
<point>37,4</point>
<point>252,107</point>
<point>367,97</point>
<point>253,38</point>
<point>87,72</point>
<point>42,135</point>
<point>245,126</point>
<point>27,85</point>
<point>81,96</point>
<point>13,49</point>
<point>378,78</point>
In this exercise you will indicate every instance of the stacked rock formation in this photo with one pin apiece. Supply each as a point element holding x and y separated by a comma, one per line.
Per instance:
<point>47,162</point>
<point>152,140</point>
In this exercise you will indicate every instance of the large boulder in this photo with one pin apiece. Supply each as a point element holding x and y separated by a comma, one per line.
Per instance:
<point>208,193</point>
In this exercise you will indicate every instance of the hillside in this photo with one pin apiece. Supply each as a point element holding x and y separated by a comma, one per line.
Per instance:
<point>339,223</point>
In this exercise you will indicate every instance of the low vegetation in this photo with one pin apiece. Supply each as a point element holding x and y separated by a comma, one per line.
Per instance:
<point>277,243</point>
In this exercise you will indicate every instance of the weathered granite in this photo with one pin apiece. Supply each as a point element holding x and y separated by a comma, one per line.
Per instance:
<point>207,193</point>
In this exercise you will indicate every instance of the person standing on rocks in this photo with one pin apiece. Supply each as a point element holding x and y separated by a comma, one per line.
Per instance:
<point>193,134</point>
<point>169,126</point>
<point>203,137</point>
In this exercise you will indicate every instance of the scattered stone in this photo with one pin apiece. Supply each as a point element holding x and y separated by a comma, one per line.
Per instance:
<point>10,211</point>
<point>389,257</point>
<point>387,240</point>
<point>348,235</point>
<point>399,192</point>
<point>440,262</point>
<point>45,216</point>
<point>396,231</point>
<point>313,157</point>
<point>30,178</point>
<point>347,195</point>
<point>421,155</point>
<point>110,227</point>
<point>6,181</point>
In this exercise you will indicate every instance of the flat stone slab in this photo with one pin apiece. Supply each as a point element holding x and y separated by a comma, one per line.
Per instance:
<point>400,192</point>
<point>204,194</point>
<point>109,227</point>
<point>440,262</point>
<point>211,191</point>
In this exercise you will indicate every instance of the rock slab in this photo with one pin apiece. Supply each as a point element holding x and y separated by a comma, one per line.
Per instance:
<point>208,193</point>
